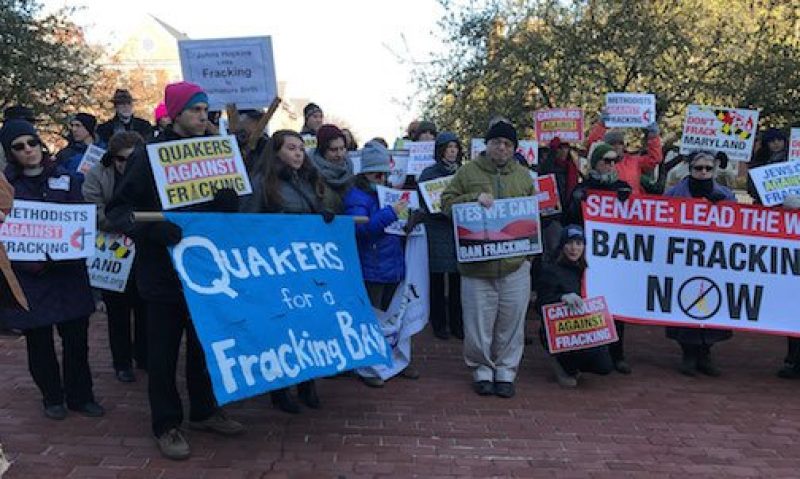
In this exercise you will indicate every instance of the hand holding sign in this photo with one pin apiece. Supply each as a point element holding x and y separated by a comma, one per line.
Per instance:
<point>486,200</point>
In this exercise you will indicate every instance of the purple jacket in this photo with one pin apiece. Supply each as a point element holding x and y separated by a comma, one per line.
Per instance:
<point>381,254</point>
<point>58,291</point>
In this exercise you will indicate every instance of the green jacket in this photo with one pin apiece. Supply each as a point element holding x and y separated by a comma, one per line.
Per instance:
<point>482,176</point>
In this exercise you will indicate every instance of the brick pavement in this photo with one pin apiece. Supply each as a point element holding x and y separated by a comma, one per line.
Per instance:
<point>654,423</point>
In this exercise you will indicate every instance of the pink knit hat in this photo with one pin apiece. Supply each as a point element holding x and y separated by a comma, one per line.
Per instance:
<point>182,95</point>
<point>160,111</point>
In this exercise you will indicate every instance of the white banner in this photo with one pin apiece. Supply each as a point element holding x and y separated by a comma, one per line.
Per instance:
<point>686,262</point>
<point>408,312</point>
<point>630,110</point>
<point>420,156</point>
<point>774,182</point>
<point>398,162</point>
<point>231,70</point>
<point>729,130</point>
<point>34,231</point>
<point>110,267</point>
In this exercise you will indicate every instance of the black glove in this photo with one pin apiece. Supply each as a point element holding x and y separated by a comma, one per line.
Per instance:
<point>415,217</point>
<point>722,157</point>
<point>623,194</point>
<point>328,216</point>
<point>716,196</point>
<point>225,201</point>
<point>165,233</point>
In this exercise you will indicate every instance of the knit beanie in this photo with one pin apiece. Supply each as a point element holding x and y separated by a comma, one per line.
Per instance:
<point>88,121</point>
<point>375,158</point>
<point>424,126</point>
<point>325,135</point>
<point>599,151</point>
<point>12,130</point>
<point>614,137</point>
<point>160,112</point>
<point>445,137</point>
<point>773,134</point>
<point>182,95</point>
<point>571,232</point>
<point>310,109</point>
<point>502,129</point>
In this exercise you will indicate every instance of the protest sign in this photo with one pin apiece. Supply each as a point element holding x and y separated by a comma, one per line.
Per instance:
<point>794,145</point>
<point>511,227</point>
<point>231,70</point>
<point>547,195</point>
<point>687,262</point>
<point>390,196</point>
<point>398,162</point>
<point>275,310</point>
<point>630,110</point>
<point>432,192</point>
<point>420,156</point>
<point>729,130</point>
<point>407,313</point>
<point>34,231</point>
<point>91,157</point>
<point>774,182</point>
<point>564,123</point>
<point>110,267</point>
<point>571,331</point>
<point>310,143</point>
<point>190,171</point>
<point>529,149</point>
<point>355,159</point>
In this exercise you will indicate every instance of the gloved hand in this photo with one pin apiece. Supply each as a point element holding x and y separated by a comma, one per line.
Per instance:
<point>328,216</point>
<point>415,217</point>
<point>652,129</point>
<point>623,194</point>
<point>723,159</point>
<point>574,302</point>
<point>716,196</point>
<point>225,201</point>
<point>165,233</point>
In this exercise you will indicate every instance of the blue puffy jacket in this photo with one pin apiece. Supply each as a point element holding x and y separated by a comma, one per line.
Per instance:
<point>381,254</point>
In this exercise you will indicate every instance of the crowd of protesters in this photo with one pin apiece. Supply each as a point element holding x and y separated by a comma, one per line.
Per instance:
<point>484,304</point>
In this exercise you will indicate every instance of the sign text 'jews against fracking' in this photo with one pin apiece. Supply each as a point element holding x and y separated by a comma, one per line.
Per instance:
<point>272,310</point>
<point>690,262</point>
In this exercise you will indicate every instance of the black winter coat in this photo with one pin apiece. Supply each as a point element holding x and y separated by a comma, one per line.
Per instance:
<point>106,130</point>
<point>441,239</point>
<point>574,213</point>
<point>58,291</point>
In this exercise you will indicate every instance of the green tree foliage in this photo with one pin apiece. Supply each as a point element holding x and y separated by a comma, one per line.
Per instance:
<point>512,57</point>
<point>45,61</point>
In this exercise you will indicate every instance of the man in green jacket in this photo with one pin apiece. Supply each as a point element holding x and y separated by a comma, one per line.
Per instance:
<point>494,293</point>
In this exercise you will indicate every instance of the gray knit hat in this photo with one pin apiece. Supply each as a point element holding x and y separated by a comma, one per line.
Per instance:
<point>614,137</point>
<point>375,158</point>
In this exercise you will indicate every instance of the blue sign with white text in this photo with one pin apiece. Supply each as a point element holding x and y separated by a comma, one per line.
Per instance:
<point>275,299</point>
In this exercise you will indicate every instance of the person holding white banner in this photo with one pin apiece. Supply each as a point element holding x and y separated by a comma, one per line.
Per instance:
<point>494,293</point>
<point>560,281</point>
<point>770,150</point>
<point>696,342</point>
<point>445,309</point>
<point>58,291</point>
<point>98,187</point>
<point>381,254</point>
<point>81,134</point>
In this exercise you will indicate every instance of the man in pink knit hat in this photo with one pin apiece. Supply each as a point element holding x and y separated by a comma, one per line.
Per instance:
<point>167,313</point>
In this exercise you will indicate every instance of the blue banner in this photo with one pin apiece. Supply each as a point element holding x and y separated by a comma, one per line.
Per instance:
<point>276,299</point>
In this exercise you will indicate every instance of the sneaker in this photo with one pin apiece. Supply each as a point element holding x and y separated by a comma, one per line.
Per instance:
<point>90,409</point>
<point>283,400</point>
<point>56,411</point>
<point>173,445</point>
<point>126,376</point>
<point>622,367</point>
<point>218,423</point>
<point>373,382</point>
<point>410,372</point>
<point>483,388</point>
<point>504,389</point>
<point>307,392</point>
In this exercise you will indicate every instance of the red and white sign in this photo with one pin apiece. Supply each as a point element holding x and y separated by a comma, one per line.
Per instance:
<point>692,263</point>
<point>564,123</point>
<point>794,145</point>
<point>34,231</point>
<point>547,194</point>
<point>568,330</point>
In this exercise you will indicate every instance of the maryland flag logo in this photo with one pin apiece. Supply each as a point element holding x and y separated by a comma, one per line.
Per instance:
<point>115,245</point>
<point>734,124</point>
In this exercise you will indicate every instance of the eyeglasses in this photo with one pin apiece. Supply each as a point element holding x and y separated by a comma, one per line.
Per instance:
<point>611,160</point>
<point>703,168</point>
<point>33,143</point>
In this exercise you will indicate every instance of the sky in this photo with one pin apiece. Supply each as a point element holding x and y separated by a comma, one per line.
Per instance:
<point>341,54</point>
